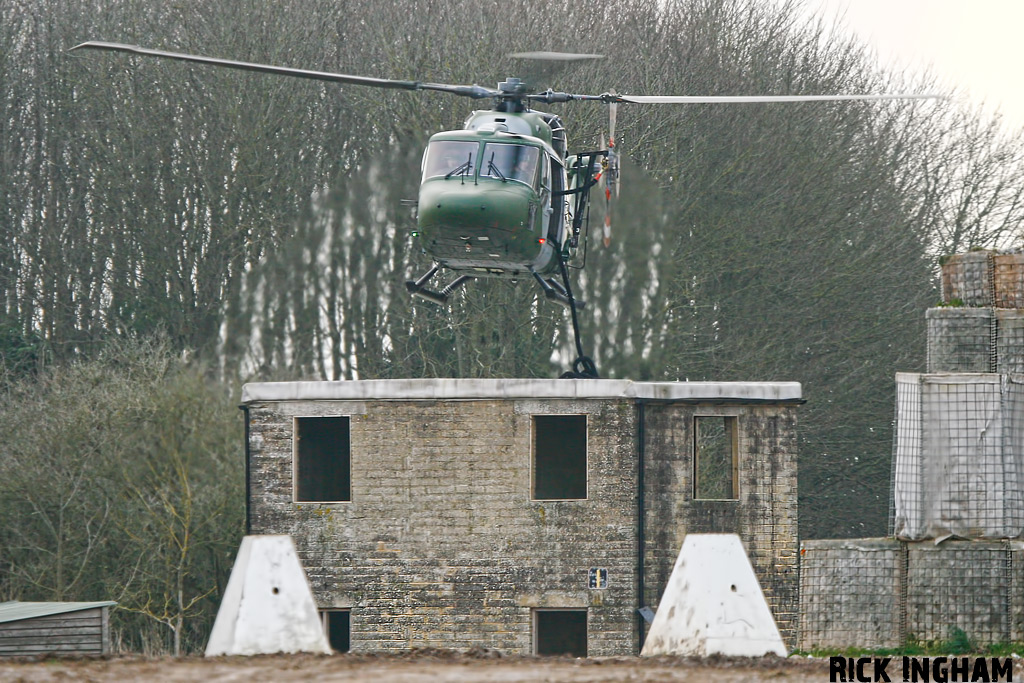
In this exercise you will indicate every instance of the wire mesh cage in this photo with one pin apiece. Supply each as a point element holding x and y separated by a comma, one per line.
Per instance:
<point>966,586</point>
<point>1009,349</point>
<point>967,279</point>
<point>957,456</point>
<point>960,339</point>
<point>1008,280</point>
<point>850,593</point>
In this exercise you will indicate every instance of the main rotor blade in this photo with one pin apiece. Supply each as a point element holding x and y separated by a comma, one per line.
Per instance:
<point>742,99</point>
<point>539,69</point>
<point>474,91</point>
<point>556,56</point>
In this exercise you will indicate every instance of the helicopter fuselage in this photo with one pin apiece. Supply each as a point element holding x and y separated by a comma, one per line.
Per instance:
<point>492,200</point>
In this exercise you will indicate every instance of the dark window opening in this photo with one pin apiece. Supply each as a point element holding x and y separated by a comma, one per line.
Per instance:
<point>715,459</point>
<point>560,632</point>
<point>559,457</point>
<point>323,466</point>
<point>338,629</point>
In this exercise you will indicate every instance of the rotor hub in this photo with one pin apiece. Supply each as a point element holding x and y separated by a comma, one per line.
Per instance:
<point>512,86</point>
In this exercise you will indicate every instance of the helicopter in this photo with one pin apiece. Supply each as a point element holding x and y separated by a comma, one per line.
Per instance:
<point>503,197</point>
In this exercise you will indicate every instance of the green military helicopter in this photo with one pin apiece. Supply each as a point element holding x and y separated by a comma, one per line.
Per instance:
<point>503,197</point>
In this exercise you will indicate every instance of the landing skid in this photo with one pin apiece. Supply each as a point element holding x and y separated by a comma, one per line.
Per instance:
<point>583,368</point>
<point>418,287</point>
<point>553,289</point>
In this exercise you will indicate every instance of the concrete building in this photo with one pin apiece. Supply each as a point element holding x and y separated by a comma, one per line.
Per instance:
<point>527,516</point>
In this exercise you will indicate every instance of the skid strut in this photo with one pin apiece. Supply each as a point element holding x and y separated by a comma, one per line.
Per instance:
<point>554,291</point>
<point>584,366</point>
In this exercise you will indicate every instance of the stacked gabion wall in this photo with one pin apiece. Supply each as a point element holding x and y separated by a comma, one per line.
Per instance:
<point>984,278</point>
<point>975,340</point>
<point>957,502</point>
<point>958,452</point>
<point>882,592</point>
<point>980,325</point>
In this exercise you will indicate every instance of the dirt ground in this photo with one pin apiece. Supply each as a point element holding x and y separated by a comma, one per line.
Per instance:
<point>417,667</point>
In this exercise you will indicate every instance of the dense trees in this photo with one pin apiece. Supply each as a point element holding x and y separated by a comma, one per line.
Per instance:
<point>255,221</point>
<point>122,478</point>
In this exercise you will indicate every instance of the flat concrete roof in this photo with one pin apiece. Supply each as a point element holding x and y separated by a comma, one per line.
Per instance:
<point>482,389</point>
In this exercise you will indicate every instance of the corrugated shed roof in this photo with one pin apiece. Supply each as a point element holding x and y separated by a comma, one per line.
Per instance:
<point>15,610</point>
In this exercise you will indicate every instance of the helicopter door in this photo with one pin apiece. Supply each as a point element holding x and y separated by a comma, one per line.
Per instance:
<point>559,205</point>
<point>544,194</point>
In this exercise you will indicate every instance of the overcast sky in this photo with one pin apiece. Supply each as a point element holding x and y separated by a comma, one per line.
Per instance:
<point>974,45</point>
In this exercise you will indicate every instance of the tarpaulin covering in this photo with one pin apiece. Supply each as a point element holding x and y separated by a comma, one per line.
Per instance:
<point>958,456</point>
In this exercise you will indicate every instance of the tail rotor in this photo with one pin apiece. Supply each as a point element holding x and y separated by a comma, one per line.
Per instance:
<point>610,173</point>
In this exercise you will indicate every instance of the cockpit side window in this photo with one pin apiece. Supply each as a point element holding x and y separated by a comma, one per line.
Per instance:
<point>444,157</point>
<point>509,161</point>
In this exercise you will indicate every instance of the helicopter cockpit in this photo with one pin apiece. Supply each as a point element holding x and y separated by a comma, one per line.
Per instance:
<point>507,162</point>
<point>498,160</point>
<point>450,158</point>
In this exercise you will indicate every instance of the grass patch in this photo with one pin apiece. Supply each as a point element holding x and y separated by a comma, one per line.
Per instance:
<point>958,643</point>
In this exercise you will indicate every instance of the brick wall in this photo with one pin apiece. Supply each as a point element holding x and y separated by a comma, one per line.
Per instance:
<point>764,515</point>
<point>442,546</point>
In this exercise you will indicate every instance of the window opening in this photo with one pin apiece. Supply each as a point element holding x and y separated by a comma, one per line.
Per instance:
<point>559,457</point>
<point>715,458</point>
<point>560,632</point>
<point>338,628</point>
<point>323,463</point>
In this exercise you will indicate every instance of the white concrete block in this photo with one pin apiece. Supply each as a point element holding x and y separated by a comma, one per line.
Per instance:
<point>713,604</point>
<point>268,606</point>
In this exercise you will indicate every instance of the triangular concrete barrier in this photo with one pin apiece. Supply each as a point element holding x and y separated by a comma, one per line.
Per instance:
<point>268,606</point>
<point>713,604</point>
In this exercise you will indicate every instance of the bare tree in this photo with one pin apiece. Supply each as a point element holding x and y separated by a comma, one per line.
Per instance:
<point>121,478</point>
<point>256,219</point>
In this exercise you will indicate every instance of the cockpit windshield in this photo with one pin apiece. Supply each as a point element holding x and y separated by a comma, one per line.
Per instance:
<point>449,158</point>
<point>507,161</point>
